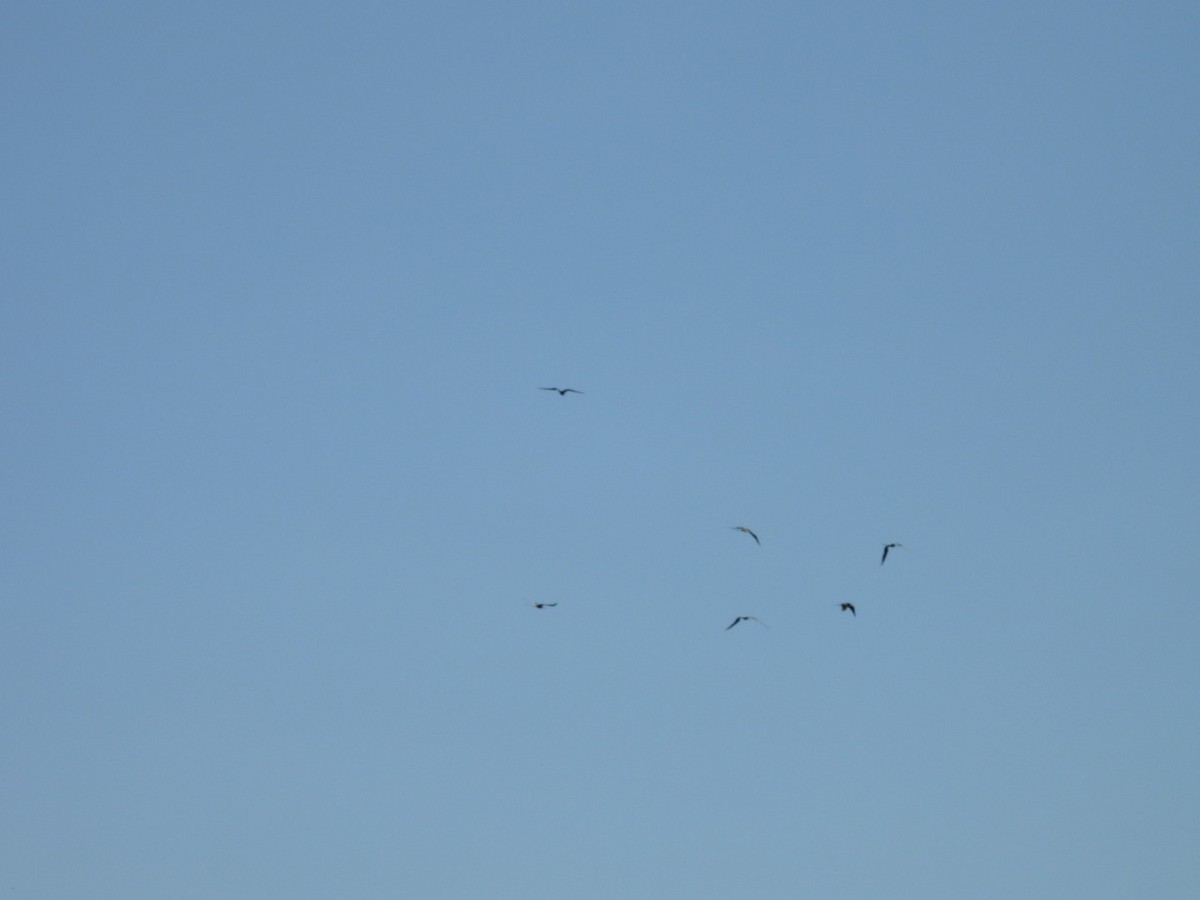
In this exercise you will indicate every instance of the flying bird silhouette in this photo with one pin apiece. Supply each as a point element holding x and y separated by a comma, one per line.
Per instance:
<point>849,606</point>
<point>745,530</point>
<point>886,548</point>
<point>745,619</point>
<point>562,392</point>
<point>537,604</point>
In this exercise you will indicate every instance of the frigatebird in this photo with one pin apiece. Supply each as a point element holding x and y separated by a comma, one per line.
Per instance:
<point>745,530</point>
<point>562,392</point>
<point>537,604</point>
<point>849,606</point>
<point>745,619</point>
<point>886,548</point>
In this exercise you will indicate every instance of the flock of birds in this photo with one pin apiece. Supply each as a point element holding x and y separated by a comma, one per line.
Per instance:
<point>845,607</point>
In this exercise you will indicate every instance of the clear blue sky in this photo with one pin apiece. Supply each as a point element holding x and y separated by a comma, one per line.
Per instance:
<point>280,283</point>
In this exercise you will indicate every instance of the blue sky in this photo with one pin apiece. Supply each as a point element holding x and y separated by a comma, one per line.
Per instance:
<point>280,284</point>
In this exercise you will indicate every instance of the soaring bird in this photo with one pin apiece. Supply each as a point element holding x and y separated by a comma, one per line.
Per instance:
<point>886,548</point>
<point>562,392</point>
<point>745,530</point>
<point>849,606</point>
<point>745,619</point>
<point>537,604</point>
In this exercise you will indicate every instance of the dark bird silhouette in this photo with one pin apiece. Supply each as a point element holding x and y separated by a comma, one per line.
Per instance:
<point>562,392</point>
<point>849,606</point>
<point>745,530</point>
<point>745,619</point>
<point>886,548</point>
<point>537,604</point>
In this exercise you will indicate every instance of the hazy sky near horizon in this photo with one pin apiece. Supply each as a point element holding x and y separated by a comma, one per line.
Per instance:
<point>280,284</point>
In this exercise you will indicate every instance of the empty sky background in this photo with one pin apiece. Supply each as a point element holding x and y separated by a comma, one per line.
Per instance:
<point>279,283</point>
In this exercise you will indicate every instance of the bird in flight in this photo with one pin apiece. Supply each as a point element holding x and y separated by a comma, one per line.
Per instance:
<point>538,604</point>
<point>886,548</point>
<point>745,530</point>
<point>562,392</point>
<point>849,606</point>
<point>745,619</point>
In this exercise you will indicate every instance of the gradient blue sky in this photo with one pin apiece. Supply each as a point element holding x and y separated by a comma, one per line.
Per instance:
<point>279,284</point>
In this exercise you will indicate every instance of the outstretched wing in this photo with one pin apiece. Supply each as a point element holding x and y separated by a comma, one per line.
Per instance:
<point>734,622</point>
<point>744,530</point>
